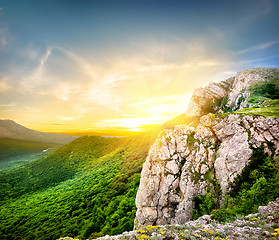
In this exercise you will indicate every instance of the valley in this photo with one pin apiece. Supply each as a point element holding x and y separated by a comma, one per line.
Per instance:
<point>222,155</point>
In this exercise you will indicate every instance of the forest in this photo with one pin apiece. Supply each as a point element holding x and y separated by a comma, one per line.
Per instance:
<point>85,189</point>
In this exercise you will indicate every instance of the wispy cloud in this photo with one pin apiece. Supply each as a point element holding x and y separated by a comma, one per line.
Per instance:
<point>255,10</point>
<point>84,65</point>
<point>4,33</point>
<point>5,86</point>
<point>8,105</point>
<point>36,77</point>
<point>65,118</point>
<point>100,92</point>
<point>258,47</point>
<point>65,90</point>
<point>229,72</point>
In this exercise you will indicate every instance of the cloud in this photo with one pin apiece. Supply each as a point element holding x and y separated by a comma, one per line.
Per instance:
<point>258,47</point>
<point>8,105</point>
<point>254,10</point>
<point>4,85</point>
<point>37,76</point>
<point>84,66</point>
<point>4,33</point>
<point>229,72</point>
<point>65,90</point>
<point>164,105</point>
<point>109,92</point>
<point>66,118</point>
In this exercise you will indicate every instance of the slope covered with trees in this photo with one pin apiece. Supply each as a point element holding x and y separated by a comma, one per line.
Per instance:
<point>14,152</point>
<point>86,188</point>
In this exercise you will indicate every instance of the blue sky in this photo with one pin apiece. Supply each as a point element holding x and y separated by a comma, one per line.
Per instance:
<point>69,65</point>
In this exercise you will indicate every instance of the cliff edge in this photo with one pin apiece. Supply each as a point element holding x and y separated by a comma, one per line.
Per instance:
<point>233,119</point>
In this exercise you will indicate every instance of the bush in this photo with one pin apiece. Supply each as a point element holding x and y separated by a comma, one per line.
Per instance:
<point>268,90</point>
<point>221,215</point>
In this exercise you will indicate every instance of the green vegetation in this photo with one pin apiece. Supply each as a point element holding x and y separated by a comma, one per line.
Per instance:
<point>257,185</point>
<point>263,91</point>
<point>14,152</point>
<point>205,204</point>
<point>222,215</point>
<point>270,108</point>
<point>85,189</point>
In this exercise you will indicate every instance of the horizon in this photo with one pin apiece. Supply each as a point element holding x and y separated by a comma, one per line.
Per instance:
<point>123,67</point>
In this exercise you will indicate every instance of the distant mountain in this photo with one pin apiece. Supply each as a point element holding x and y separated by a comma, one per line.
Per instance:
<point>10,129</point>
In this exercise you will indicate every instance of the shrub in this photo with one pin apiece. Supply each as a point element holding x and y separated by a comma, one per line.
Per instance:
<point>221,215</point>
<point>268,90</point>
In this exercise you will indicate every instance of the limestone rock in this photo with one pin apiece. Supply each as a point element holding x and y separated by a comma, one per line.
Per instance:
<point>229,94</point>
<point>178,162</point>
<point>271,208</point>
<point>181,160</point>
<point>206,99</point>
<point>240,89</point>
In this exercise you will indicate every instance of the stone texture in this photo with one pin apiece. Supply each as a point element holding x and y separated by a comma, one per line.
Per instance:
<point>252,226</point>
<point>181,160</point>
<point>271,208</point>
<point>174,171</point>
<point>231,93</point>
<point>209,96</point>
<point>239,93</point>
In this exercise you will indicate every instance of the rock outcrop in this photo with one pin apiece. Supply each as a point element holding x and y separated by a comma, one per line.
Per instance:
<point>208,99</point>
<point>231,94</point>
<point>272,208</point>
<point>182,162</point>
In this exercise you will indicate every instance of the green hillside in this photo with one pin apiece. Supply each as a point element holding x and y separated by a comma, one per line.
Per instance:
<point>85,189</point>
<point>14,152</point>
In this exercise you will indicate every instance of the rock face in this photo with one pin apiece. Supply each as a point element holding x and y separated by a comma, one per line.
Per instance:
<point>182,162</point>
<point>237,97</point>
<point>272,208</point>
<point>229,94</point>
<point>204,100</point>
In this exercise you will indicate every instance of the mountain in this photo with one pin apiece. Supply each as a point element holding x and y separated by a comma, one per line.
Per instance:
<point>228,158</point>
<point>10,129</point>
<point>215,159</point>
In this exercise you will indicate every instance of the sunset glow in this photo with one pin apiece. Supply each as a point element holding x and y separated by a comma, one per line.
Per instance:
<point>119,69</point>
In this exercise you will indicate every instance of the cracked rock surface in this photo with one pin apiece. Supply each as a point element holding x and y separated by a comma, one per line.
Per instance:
<point>231,93</point>
<point>179,160</point>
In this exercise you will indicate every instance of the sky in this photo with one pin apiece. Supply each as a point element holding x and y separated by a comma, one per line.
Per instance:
<point>121,67</point>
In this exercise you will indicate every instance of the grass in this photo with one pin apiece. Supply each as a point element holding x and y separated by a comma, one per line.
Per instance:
<point>267,109</point>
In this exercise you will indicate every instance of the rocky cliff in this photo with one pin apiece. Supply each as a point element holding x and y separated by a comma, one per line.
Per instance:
<point>186,161</point>
<point>231,94</point>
